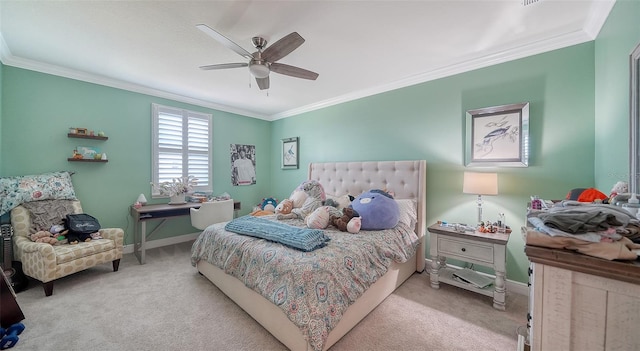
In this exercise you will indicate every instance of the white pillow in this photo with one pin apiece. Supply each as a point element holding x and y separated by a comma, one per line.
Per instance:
<point>408,213</point>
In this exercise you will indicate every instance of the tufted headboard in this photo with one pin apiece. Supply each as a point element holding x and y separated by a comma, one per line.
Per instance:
<point>407,179</point>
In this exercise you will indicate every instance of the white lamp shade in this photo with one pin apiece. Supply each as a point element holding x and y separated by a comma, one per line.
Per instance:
<point>480,183</point>
<point>141,199</point>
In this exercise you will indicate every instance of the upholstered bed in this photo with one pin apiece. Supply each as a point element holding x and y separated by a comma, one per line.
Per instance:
<point>406,179</point>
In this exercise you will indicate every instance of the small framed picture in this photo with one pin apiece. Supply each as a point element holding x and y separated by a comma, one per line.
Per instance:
<point>498,136</point>
<point>81,131</point>
<point>290,149</point>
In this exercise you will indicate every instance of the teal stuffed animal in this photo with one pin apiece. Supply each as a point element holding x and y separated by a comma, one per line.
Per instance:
<point>269,204</point>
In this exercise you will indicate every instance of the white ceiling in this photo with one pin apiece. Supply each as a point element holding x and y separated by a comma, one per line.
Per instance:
<point>359,48</point>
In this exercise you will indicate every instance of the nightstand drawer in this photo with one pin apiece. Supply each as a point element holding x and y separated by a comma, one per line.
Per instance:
<point>474,251</point>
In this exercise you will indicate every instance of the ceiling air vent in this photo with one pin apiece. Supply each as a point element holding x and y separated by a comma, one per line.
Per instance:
<point>529,2</point>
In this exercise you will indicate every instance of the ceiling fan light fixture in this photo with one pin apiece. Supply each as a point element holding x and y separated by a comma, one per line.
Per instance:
<point>259,70</point>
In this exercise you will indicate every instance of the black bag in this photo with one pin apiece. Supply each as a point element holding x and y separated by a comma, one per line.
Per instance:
<point>82,223</point>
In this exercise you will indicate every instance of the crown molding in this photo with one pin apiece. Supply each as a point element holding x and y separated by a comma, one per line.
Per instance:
<point>10,60</point>
<point>465,65</point>
<point>598,15</point>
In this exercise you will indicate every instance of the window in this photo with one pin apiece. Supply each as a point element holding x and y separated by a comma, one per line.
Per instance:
<point>181,146</point>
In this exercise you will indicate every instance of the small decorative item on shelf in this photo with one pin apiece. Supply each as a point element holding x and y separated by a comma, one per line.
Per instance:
<point>101,134</point>
<point>77,155</point>
<point>176,189</point>
<point>81,131</point>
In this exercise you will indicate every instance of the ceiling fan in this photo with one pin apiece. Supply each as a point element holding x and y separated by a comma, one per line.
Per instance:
<point>263,61</point>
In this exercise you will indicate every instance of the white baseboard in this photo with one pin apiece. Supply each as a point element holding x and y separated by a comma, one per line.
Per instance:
<point>151,244</point>
<point>512,286</point>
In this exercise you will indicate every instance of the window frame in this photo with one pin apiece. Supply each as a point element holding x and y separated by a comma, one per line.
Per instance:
<point>156,111</point>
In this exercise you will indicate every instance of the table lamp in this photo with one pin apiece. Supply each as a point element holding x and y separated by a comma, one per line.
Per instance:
<point>480,184</point>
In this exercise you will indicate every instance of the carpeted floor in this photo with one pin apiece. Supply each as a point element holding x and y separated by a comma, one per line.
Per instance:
<point>166,305</point>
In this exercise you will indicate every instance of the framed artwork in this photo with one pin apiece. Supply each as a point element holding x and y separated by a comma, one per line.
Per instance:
<point>290,149</point>
<point>243,164</point>
<point>498,136</point>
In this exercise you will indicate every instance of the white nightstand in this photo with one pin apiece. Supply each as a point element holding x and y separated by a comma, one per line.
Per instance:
<point>486,249</point>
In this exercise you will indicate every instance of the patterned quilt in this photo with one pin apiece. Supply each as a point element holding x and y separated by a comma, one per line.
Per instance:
<point>314,288</point>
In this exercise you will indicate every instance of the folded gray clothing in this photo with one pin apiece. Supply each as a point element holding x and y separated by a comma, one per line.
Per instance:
<point>576,221</point>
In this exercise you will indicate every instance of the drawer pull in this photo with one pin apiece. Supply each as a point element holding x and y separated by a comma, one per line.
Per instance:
<point>463,249</point>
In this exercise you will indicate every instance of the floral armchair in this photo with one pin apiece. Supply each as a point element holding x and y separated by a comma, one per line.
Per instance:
<point>46,262</point>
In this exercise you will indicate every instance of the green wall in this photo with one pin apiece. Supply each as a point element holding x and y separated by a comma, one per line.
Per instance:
<point>427,121</point>
<point>617,39</point>
<point>38,110</point>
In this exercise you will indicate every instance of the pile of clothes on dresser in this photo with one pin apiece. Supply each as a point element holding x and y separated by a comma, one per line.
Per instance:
<point>597,229</point>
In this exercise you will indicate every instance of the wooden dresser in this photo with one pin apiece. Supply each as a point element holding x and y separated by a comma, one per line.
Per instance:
<point>580,302</point>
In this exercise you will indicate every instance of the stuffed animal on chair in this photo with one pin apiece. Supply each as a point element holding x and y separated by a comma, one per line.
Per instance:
<point>43,236</point>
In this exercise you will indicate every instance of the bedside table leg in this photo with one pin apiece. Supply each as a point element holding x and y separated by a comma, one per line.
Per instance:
<point>500,291</point>
<point>436,263</point>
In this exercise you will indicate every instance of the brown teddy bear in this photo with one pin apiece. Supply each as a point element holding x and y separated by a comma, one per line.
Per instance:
<point>43,237</point>
<point>341,222</point>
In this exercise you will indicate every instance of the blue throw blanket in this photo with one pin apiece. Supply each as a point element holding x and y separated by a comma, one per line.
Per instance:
<point>304,239</point>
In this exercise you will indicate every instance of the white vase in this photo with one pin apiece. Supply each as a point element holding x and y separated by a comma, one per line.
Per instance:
<point>177,199</point>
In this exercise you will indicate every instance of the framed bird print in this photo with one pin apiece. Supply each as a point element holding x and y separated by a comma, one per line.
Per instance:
<point>290,149</point>
<point>498,136</point>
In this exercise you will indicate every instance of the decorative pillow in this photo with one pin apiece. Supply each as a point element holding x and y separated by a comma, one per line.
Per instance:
<point>378,210</point>
<point>47,213</point>
<point>15,191</point>
<point>408,213</point>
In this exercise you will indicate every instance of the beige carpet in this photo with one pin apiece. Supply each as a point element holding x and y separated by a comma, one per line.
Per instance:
<point>166,305</point>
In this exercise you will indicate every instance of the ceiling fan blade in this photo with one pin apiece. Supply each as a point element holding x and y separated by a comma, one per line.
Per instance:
<point>224,66</point>
<point>225,41</point>
<point>293,71</point>
<point>282,47</point>
<point>263,83</point>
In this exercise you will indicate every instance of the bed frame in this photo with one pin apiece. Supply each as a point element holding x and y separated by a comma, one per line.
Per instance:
<point>407,179</point>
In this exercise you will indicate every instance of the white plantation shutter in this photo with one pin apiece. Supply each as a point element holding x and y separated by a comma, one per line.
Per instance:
<point>181,146</point>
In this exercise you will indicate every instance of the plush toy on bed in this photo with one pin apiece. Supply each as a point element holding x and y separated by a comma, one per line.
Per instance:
<point>338,202</point>
<point>377,209</point>
<point>320,218</point>
<point>265,208</point>
<point>315,195</point>
<point>285,206</point>
<point>269,204</point>
<point>343,220</point>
